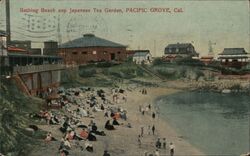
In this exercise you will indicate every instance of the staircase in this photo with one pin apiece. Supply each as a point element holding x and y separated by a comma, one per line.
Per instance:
<point>21,85</point>
<point>150,72</point>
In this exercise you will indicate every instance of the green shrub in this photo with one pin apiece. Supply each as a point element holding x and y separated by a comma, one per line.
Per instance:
<point>104,64</point>
<point>87,72</point>
<point>189,61</point>
<point>158,61</point>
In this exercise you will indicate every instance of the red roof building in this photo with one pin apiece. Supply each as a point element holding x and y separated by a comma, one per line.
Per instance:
<point>90,48</point>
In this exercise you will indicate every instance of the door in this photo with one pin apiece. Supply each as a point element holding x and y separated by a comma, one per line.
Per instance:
<point>112,56</point>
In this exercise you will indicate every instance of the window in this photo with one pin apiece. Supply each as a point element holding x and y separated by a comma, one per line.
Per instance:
<point>170,50</point>
<point>105,52</point>
<point>84,52</point>
<point>74,53</point>
<point>119,52</point>
<point>94,52</point>
<point>177,49</point>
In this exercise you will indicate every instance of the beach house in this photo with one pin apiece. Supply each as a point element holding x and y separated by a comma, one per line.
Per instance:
<point>142,56</point>
<point>234,57</point>
<point>179,50</point>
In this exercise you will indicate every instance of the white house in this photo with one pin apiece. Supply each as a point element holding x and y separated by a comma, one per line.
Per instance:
<point>142,56</point>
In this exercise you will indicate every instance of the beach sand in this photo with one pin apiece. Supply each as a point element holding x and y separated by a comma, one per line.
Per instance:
<point>123,140</point>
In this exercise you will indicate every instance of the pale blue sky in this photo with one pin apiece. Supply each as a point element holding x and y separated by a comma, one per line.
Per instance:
<point>223,22</point>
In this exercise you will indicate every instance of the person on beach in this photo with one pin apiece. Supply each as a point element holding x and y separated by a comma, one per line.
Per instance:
<point>149,129</point>
<point>164,143</point>
<point>171,147</point>
<point>64,152</point>
<point>48,137</point>
<point>67,144</point>
<point>142,131</point>
<point>106,153</point>
<point>158,143</point>
<point>47,117</point>
<point>89,146</point>
<point>139,141</point>
<point>153,115</point>
<point>153,129</point>
<point>157,153</point>
<point>106,114</point>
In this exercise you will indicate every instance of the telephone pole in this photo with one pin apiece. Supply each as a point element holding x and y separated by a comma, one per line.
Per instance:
<point>7,9</point>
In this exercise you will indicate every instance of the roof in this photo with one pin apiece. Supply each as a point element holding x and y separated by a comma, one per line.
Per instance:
<point>179,45</point>
<point>141,53</point>
<point>233,51</point>
<point>30,55</point>
<point>207,57</point>
<point>90,40</point>
<point>16,49</point>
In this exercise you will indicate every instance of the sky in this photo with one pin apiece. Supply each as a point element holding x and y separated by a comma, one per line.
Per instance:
<point>224,23</point>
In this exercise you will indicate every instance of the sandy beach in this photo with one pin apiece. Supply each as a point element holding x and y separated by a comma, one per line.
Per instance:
<point>124,141</point>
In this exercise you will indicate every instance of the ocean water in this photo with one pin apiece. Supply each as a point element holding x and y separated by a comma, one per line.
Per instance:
<point>217,124</point>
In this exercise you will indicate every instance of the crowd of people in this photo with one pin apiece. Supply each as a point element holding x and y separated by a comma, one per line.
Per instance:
<point>78,104</point>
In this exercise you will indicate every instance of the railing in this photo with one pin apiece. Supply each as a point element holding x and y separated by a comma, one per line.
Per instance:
<point>37,68</point>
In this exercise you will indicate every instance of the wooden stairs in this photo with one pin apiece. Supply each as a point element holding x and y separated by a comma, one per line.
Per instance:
<point>150,72</point>
<point>21,85</point>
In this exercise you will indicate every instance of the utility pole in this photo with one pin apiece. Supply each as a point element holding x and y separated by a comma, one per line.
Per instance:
<point>7,9</point>
<point>154,48</point>
<point>59,36</point>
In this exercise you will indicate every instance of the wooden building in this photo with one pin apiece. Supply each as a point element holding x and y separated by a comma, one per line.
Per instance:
<point>179,50</point>
<point>90,48</point>
<point>233,57</point>
<point>50,48</point>
<point>142,56</point>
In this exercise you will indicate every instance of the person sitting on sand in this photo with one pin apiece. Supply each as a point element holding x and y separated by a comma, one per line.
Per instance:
<point>48,137</point>
<point>54,120</point>
<point>106,114</point>
<point>47,116</point>
<point>129,125</point>
<point>108,126</point>
<point>115,122</point>
<point>171,147</point>
<point>102,107</point>
<point>89,146</point>
<point>158,143</point>
<point>64,152</point>
<point>106,153</point>
<point>67,144</point>
<point>70,135</point>
<point>94,127</point>
<point>84,134</point>
<point>157,153</point>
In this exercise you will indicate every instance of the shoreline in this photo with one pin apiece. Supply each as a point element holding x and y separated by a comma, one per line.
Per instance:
<point>183,147</point>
